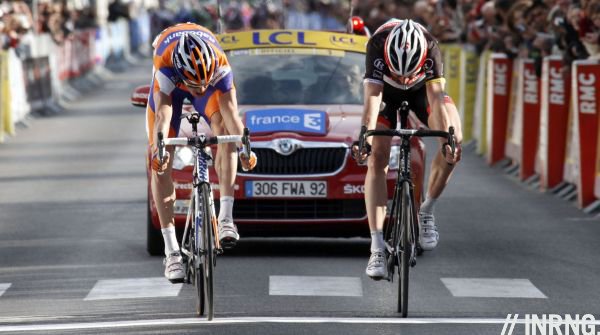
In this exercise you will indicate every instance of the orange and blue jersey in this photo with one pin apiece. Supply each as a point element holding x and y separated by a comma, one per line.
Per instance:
<point>165,79</point>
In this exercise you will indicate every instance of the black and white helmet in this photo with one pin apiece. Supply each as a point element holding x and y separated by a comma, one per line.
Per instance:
<point>194,60</point>
<point>406,48</point>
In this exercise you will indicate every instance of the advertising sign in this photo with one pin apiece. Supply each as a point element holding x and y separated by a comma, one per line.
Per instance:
<point>554,121</point>
<point>586,90</point>
<point>531,119</point>
<point>498,91</point>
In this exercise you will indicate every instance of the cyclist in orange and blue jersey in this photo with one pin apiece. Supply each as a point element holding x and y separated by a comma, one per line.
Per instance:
<point>190,64</point>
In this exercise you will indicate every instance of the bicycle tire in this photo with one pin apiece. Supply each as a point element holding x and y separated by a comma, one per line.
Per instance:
<point>406,225</point>
<point>391,234</point>
<point>208,255</point>
<point>198,275</point>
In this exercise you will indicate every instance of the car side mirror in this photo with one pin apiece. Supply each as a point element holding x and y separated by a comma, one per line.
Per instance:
<point>139,97</point>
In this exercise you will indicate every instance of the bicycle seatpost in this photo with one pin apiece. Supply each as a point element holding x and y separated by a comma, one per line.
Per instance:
<point>404,105</point>
<point>404,109</point>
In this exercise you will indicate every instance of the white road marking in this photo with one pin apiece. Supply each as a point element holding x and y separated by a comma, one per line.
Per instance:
<point>597,218</point>
<point>492,288</point>
<point>315,286</point>
<point>132,288</point>
<point>253,320</point>
<point>4,287</point>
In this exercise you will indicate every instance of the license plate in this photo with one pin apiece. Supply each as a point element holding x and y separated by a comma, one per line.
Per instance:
<point>181,206</point>
<point>286,188</point>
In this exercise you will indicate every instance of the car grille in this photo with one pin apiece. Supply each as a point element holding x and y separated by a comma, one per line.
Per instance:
<point>317,209</point>
<point>304,161</point>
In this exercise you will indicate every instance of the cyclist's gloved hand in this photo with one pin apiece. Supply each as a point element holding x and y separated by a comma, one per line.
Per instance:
<point>157,165</point>
<point>361,157</point>
<point>248,163</point>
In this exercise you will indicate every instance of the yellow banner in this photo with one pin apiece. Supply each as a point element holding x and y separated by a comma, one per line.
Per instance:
<point>7,126</point>
<point>1,97</point>
<point>291,51</point>
<point>452,71</point>
<point>292,39</point>
<point>471,66</point>
<point>482,102</point>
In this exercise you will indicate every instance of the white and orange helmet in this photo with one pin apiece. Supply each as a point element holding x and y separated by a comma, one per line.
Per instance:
<point>406,48</point>
<point>194,60</point>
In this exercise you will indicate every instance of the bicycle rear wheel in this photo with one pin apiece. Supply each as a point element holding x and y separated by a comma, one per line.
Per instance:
<point>406,248</point>
<point>208,255</point>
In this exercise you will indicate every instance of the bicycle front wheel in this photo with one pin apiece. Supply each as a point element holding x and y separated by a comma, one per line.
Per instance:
<point>406,248</point>
<point>195,274</point>
<point>208,255</point>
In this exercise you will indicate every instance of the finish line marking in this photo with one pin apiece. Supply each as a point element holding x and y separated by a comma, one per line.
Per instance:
<point>250,320</point>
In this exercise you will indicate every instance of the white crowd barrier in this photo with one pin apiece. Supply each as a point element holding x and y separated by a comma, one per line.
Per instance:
<point>42,77</point>
<point>547,127</point>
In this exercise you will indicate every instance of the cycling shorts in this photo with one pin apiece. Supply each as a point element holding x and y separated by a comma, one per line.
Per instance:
<point>417,102</point>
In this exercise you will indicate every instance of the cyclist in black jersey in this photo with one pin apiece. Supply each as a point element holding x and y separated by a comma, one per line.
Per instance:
<point>404,63</point>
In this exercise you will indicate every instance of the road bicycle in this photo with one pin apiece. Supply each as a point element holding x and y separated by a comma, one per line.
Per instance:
<point>401,230</point>
<point>200,242</point>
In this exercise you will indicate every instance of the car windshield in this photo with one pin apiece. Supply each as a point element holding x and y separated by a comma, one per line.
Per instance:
<point>300,76</point>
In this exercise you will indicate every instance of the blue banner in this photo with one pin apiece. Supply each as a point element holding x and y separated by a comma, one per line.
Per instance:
<point>286,119</point>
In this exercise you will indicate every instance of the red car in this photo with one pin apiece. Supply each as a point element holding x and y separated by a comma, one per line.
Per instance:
<point>300,94</point>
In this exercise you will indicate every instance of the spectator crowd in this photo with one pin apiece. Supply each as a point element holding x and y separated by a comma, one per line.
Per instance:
<point>527,28</point>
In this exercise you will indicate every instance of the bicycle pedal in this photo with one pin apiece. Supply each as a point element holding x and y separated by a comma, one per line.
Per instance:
<point>177,280</point>
<point>228,244</point>
<point>378,278</point>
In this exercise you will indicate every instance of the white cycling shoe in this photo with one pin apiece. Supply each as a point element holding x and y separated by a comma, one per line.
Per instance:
<point>174,268</point>
<point>428,234</point>
<point>376,268</point>
<point>228,234</point>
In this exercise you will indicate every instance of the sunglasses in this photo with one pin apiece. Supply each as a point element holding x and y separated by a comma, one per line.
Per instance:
<point>192,85</point>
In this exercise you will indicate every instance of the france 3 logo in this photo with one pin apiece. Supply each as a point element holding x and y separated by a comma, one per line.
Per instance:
<point>286,119</point>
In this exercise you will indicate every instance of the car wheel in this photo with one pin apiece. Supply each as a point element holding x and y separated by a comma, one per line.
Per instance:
<point>155,242</point>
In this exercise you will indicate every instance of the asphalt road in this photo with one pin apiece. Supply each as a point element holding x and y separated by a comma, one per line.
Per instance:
<point>72,231</point>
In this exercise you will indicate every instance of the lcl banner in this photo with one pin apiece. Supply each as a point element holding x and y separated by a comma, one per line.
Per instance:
<point>586,96</point>
<point>498,101</point>
<point>554,120</point>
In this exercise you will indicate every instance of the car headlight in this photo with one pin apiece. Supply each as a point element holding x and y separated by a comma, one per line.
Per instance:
<point>184,156</point>
<point>395,157</point>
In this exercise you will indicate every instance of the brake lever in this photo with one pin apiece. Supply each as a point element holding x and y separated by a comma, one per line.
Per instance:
<point>451,140</point>
<point>361,143</point>
<point>246,142</point>
<point>161,147</point>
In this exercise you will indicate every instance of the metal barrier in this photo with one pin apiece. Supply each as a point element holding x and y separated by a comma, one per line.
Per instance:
<point>43,78</point>
<point>547,127</point>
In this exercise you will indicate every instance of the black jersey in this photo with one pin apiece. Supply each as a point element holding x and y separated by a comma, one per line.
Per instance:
<point>377,71</point>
